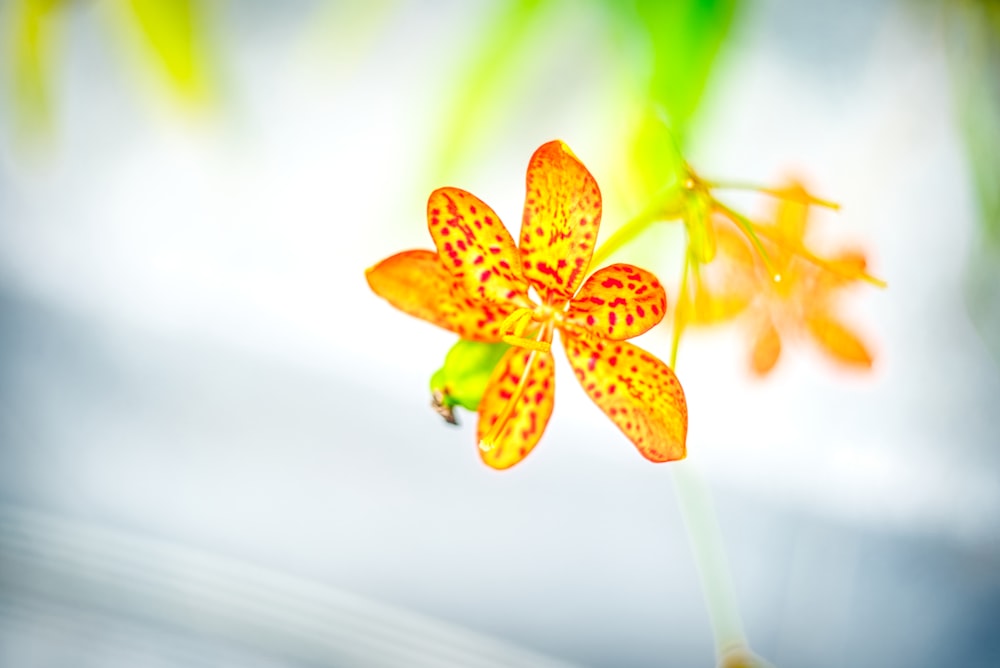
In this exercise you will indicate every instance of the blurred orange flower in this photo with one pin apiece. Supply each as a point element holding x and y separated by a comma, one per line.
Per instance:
<point>796,295</point>
<point>477,285</point>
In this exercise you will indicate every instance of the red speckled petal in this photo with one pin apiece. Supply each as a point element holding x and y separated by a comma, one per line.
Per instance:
<point>562,214</point>
<point>618,302</point>
<point>636,390</point>
<point>529,415</point>
<point>475,246</point>
<point>417,283</point>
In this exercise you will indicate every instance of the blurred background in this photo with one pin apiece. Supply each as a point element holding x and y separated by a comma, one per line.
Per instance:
<point>215,443</point>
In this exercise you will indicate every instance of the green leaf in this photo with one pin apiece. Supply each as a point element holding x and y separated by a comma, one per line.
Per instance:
<point>172,33</point>
<point>36,32</point>
<point>487,81</point>
<point>682,39</point>
<point>685,37</point>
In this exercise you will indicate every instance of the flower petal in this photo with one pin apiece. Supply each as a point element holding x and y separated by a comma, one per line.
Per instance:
<point>766,349</point>
<point>841,343</point>
<point>618,302</point>
<point>793,213</point>
<point>417,283</point>
<point>562,215</point>
<point>524,420</point>
<point>842,269</point>
<point>636,390</point>
<point>475,246</point>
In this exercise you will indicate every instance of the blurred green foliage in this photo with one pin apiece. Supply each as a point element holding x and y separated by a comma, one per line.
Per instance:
<point>171,49</point>
<point>684,37</point>
<point>35,26</point>
<point>666,50</point>
<point>972,32</point>
<point>973,29</point>
<point>171,32</point>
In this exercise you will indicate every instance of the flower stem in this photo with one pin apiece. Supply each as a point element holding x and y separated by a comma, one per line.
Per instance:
<point>619,238</point>
<point>703,531</point>
<point>682,303</point>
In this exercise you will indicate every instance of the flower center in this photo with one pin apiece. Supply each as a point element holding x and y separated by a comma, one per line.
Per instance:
<point>514,330</point>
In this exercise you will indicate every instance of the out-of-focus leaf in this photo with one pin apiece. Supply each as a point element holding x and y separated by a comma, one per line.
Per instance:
<point>172,31</point>
<point>36,25</point>
<point>685,36</point>
<point>465,117</point>
<point>656,162</point>
<point>973,32</point>
<point>974,28</point>
<point>683,39</point>
<point>462,380</point>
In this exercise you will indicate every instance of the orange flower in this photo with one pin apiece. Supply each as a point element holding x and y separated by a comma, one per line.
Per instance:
<point>477,285</point>
<point>797,298</point>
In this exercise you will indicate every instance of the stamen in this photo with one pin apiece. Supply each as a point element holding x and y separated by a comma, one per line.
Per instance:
<point>516,322</point>
<point>750,230</point>
<point>805,254</point>
<point>530,344</point>
<point>512,331</point>
<point>787,194</point>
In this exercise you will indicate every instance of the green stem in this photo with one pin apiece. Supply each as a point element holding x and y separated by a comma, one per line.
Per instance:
<point>703,531</point>
<point>748,228</point>
<point>705,537</point>
<point>682,299</point>
<point>619,238</point>
<point>662,210</point>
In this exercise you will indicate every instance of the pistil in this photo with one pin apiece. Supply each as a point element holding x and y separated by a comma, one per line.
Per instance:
<point>544,338</point>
